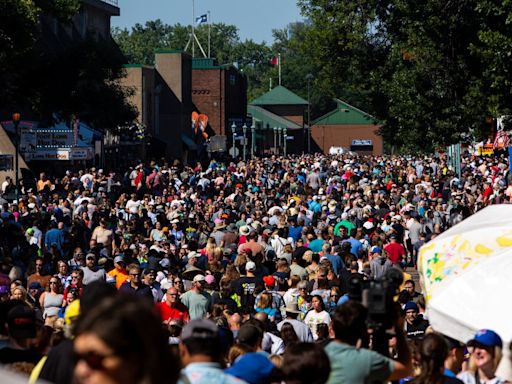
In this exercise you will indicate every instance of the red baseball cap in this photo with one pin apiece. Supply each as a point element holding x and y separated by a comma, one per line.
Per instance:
<point>269,280</point>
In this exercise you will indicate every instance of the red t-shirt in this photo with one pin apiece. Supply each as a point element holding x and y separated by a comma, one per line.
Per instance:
<point>395,252</point>
<point>179,312</point>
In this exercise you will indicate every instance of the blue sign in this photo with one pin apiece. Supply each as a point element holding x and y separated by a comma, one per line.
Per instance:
<point>510,158</point>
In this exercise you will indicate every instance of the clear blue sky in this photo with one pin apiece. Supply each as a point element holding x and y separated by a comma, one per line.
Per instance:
<point>255,19</point>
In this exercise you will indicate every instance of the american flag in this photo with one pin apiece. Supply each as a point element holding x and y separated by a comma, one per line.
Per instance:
<point>502,140</point>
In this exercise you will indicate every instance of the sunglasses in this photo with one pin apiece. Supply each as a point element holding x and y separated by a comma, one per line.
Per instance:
<point>177,282</point>
<point>92,359</point>
<point>53,282</point>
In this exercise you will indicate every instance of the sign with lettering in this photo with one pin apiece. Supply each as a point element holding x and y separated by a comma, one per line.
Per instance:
<point>362,142</point>
<point>54,138</point>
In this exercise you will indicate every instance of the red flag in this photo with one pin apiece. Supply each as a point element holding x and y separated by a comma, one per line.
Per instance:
<point>274,61</point>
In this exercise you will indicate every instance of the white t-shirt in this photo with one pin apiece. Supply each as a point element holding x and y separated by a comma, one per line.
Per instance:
<point>133,206</point>
<point>313,318</point>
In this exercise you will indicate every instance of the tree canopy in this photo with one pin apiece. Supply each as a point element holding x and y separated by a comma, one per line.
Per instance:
<point>430,71</point>
<point>52,78</point>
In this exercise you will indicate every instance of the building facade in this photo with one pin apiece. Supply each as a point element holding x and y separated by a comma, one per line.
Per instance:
<point>347,127</point>
<point>220,92</point>
<point>272,112</point>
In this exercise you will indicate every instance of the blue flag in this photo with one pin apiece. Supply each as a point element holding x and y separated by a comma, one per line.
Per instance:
<point>202,19</point>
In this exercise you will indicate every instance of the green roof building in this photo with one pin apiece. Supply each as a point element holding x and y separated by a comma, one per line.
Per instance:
<point>278,108</point>
<point>347,127</point>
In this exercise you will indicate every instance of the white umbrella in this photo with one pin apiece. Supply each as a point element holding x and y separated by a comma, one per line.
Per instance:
<point>477,299</point>
<point>468,243</point>
<point>466,274</point>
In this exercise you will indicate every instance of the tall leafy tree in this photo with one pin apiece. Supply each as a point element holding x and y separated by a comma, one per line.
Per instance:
<point>51,78</point>
<point>431,71</point>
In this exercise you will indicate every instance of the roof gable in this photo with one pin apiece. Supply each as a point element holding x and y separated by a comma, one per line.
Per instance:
<point>345,114</point>
<point>273,120</point>
<point>279,96</point>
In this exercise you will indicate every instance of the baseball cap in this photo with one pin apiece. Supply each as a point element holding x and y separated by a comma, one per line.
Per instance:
<point>249,334</point>
<point>193,255</point>
<point>269,280</point>
<point>119,259</point>
<point>22,322</point>
<point>198,278</point>
<point>486,338</point>
<point>90,255</point>
<point>200,329</point>
<point>252,367</point>
<point>250,266</point>
<point>149,271</point>
<point>35,285</point>
<point>411,305</point>
<point>376,250</point>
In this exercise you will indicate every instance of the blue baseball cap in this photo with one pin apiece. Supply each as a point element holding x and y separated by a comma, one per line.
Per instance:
<point>411,305</point>
<point>376,250</point>
<point>487,338</point>
<point>254,368</point>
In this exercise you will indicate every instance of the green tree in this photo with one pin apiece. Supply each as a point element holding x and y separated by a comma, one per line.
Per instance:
<point>18,35</point>
<point>52,78</point>
<point>430,71</point>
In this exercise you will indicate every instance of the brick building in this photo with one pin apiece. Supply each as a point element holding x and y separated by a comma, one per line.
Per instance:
<point>165,96</point>
<point>219,91</point>
<point>279,108</point>
<point>162,96</point>
<point>347,127</point>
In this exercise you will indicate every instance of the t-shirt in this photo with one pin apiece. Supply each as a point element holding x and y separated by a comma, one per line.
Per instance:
<point>198,304</point>
<point>395,252</point>
<point>245,287</point>
<point>178,312</point>
<point>357,365</point>
<point>313,318</point>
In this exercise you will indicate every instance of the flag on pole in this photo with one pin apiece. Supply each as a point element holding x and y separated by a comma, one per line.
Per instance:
<point>274,61</point>
<point>202,19</point>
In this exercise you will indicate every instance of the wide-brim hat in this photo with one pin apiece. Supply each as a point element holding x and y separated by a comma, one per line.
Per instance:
<point>244,230</point>
<point>292,308</point>
<point>220,225</point>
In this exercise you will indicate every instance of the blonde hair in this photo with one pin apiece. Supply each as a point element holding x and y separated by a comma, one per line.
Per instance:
<point>236,351</point>
<point>496,351</point>
<point>265,300</point>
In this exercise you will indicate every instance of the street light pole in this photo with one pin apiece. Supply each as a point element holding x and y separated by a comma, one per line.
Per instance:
<point>275,140</point>
<point>244,129</point>
<point>309,77</point>
<point>233,128</point>
<point>16,117</point>
<point>284,139</point>
<point>253,131</point>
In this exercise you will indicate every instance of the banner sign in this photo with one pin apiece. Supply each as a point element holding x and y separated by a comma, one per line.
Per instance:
<point>362,142</point>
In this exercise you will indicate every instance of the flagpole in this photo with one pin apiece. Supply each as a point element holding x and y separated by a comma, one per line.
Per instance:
<point>279,66</point>
<point>209,31</point>
<point>193,32</point>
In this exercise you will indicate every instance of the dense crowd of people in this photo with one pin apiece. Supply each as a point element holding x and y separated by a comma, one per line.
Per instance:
<point>237,271</point>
